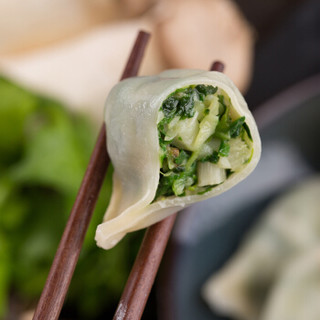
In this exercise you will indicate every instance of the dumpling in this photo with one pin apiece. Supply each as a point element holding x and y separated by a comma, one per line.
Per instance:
<point>289,226</point>
<point>174,139</point>
<point>296,295</point>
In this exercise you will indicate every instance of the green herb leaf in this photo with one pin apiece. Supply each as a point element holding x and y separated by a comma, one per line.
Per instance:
<point>165,185</point>
<point>186,107</point>
<point>44,151</point>
<point>223,107</point>
<point>178,185</point>
<point>229,172</point>
<point>223,128</point>
<point>214,158</point>
<point>246,128</point>
<point>224,148</point>
<point>175,182</point>
<point>182,158</point>
<point>180,103</point>
<point>169,107</point>
<point>205,90</point>
<point>4,275</point>
<point>236,126</point>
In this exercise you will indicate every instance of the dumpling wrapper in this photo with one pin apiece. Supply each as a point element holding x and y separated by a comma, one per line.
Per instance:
<point>296,294</point>
<point>131,114</point>
<point>288,227</point>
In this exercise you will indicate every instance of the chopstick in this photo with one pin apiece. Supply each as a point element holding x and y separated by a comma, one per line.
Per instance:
<point>58,281</point>
<point>140,281</point>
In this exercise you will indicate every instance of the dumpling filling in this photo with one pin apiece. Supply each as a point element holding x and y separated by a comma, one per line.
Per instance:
<point>202,142</point>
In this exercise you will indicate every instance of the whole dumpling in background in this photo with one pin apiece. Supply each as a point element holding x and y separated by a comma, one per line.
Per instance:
<point>288,227</point>
<point>31,24</point>
<point>296,294</point>
<point>79,59</point>
<point>82,70</point>
<point>194,32</point>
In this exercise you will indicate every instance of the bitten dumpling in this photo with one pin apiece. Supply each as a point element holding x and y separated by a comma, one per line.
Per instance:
<point>174,139</point>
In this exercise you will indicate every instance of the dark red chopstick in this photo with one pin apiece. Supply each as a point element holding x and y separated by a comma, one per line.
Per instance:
<point>58,281</point>
<point>136,292</point>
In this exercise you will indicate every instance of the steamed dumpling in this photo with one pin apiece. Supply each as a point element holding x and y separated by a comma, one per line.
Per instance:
<point>289,227</point>
<point>296,294</point>
<point>174,139</point>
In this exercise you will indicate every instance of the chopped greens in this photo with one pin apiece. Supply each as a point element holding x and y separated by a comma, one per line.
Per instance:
<point>175,181</point>
<point>180,103</point>
<point>236,127</point>
<point>223,127</point>
<point>213,158</point>
<point>169,107</point>
<point>224,149</point>
<point>197,132</point>
<point>182,158</point>
<point>246,128</point>
<point>203,91</point>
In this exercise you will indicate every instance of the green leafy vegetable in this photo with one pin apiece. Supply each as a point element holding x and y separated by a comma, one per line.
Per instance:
<point>213,158</point>
<point>224,149</point>
<point>223,128</point>
<point>44,151</point>
<point>181,102</point>
<point>182,158</point>
<point>236,127</point>
<point>204,90</point>
<point>169,107</point>
<point>229,172</point>
<point>163,147</point>
<point>175,182</point>
<point>4,275</point>
<point>247,130</point>
<point>186,107</point>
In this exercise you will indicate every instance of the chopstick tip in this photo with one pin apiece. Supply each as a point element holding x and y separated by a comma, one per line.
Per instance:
<point>217,66</point>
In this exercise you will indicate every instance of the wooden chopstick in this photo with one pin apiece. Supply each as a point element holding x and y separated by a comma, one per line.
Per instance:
<point>140,281</point>
<point>58,281</point>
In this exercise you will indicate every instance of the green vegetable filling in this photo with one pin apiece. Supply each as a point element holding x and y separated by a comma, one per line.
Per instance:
<point>201,142</point>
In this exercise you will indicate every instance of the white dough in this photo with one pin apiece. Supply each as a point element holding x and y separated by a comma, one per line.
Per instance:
<point>296,295</point>
<point>288,228</point>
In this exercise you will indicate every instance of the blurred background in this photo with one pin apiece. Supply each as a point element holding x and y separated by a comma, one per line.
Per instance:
<point>58,60</point>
